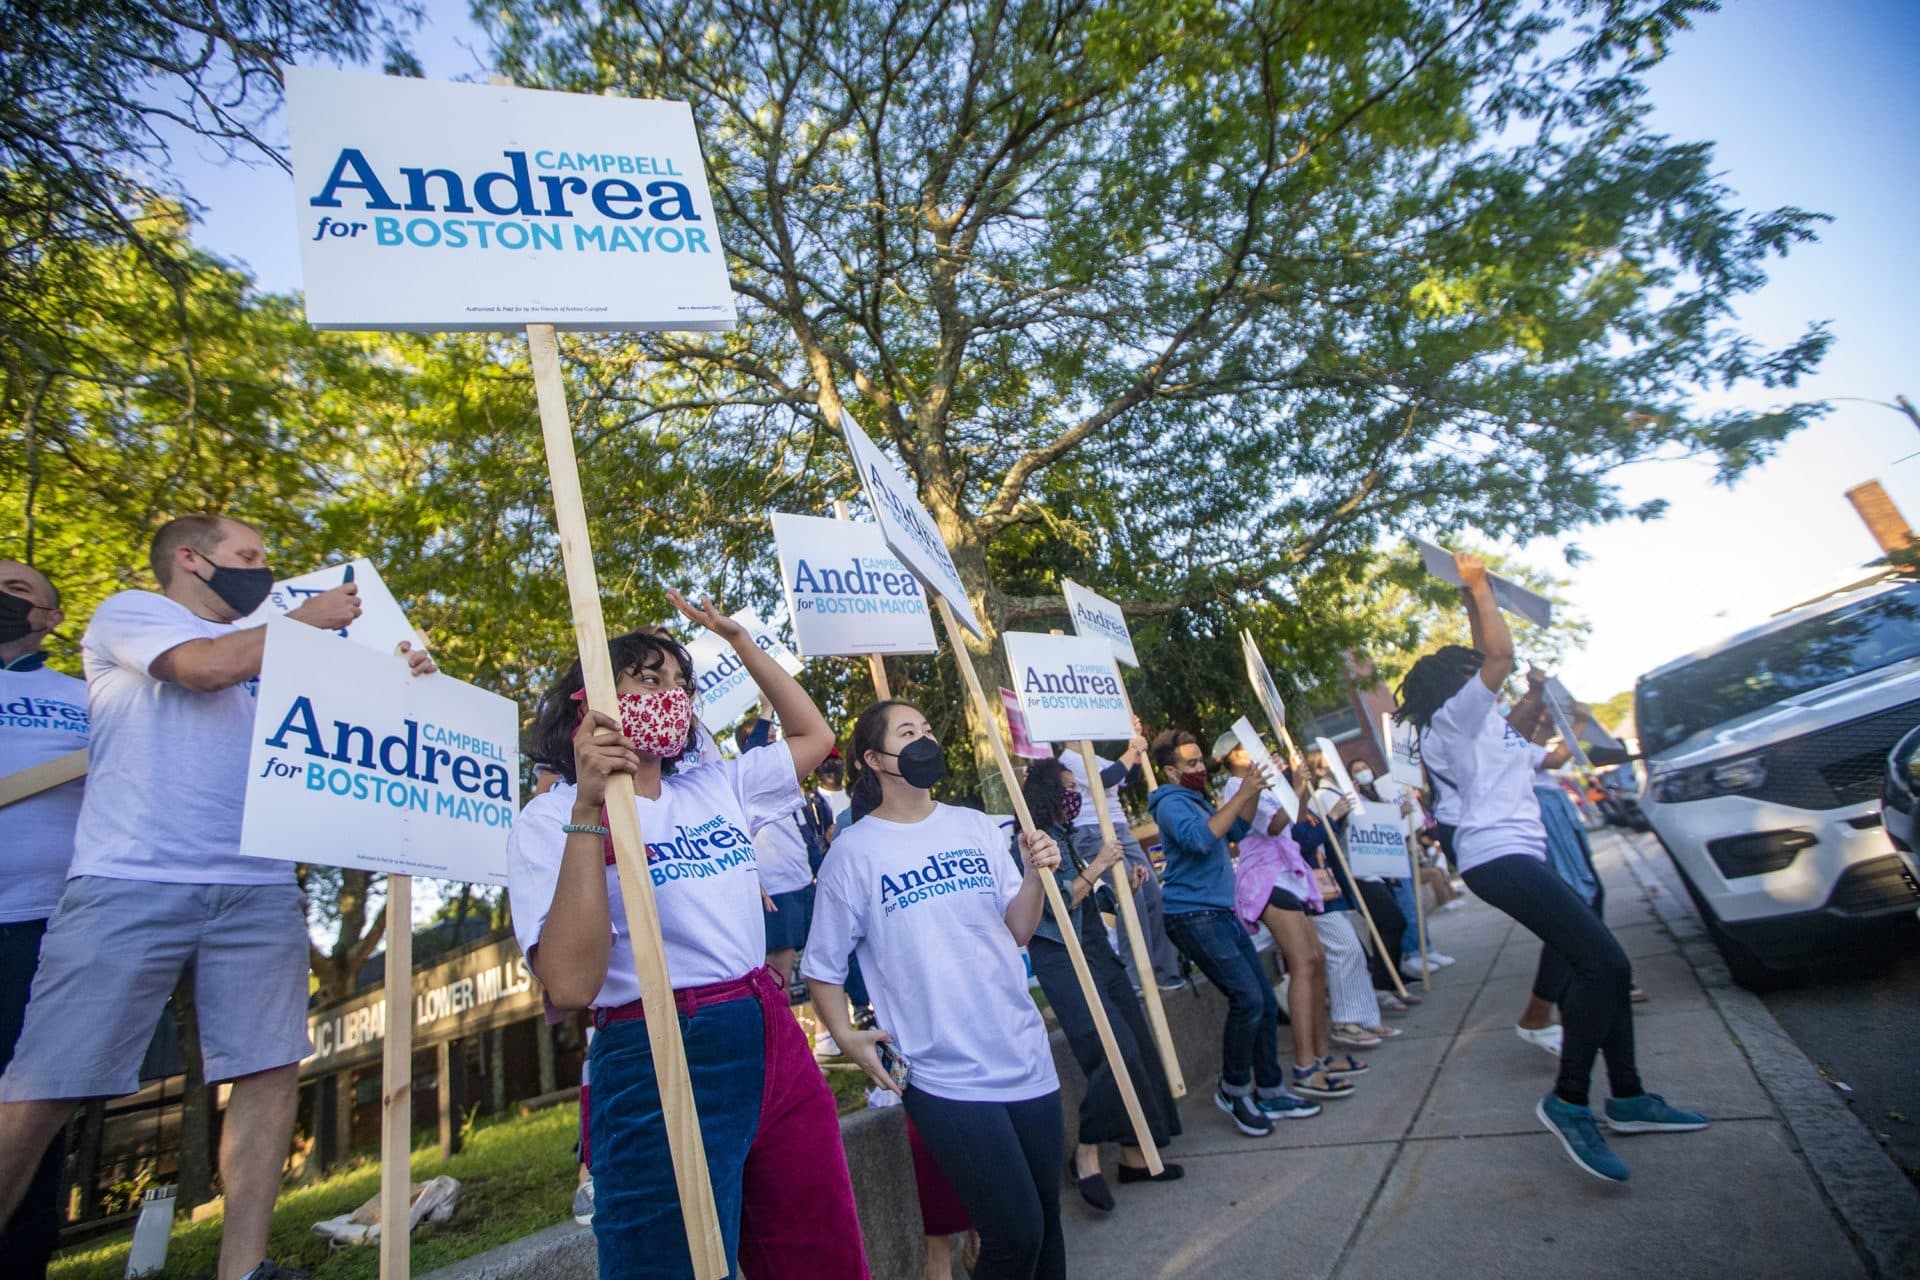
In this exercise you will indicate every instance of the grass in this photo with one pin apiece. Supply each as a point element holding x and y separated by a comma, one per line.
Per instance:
<point>516,1176</point>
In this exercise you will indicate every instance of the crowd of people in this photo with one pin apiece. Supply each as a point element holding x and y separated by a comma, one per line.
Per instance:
<point>912,922</point>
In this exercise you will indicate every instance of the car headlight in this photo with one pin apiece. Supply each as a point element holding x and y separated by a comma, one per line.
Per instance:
<point>1724,778</point>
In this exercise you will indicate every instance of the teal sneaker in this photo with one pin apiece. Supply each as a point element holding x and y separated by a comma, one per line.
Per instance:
<point>1278,1104</point>
<point>1580,1136</point>
<point>1651,1113</point>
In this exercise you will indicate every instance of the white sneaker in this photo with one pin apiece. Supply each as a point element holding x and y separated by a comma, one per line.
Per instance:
<point>824,1046</point>
<point>583,1203</point>
<point>1436,958</point>
<point>1451,904</point>
<point>1547,1038</point>
<point>1410,966</point>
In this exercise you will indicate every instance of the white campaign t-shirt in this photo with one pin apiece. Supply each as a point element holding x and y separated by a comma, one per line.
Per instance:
<point>1088,815</point>
<point>924,905</point>
<point>706,883</point>
<point>43,715</point>
<point>168,776</point>
<point>781,851</point>
<point>1441,769</point>
<point>1492,766</point>
<point>838,801</point>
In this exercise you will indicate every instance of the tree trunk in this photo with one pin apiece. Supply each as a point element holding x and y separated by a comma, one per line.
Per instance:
<point>196,1104</point>
<point>970,558</point>
<point>543,1048</point>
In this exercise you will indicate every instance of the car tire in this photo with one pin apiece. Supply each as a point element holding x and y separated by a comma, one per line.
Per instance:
<point>1743,963</point>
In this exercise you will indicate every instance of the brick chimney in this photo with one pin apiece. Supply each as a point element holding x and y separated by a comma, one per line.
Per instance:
<point>1882,518</point>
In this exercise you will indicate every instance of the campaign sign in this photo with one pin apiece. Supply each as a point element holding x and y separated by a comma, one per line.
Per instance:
<point>1264,765</point>
<point>1068,686</point>
<point>1402,744</point>
<point>1511,596</point>
<point>846,592</point>
<point>427,205</point>
<point>1338,768</point>
<point>356,762</point>
<point>722,689</point>
<point>907,524</point>
<point>1095,615</point>
<point>1376,842</point>
<point>1564,725</point>
<point>1262,679</point>
<point>382,623</point>
<point>1023,745</point>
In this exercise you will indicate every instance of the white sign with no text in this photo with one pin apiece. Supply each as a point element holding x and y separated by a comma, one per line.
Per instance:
<point>359,763</point>
<point>847,593</point>
<point>1265,767</point>
<point>1338,768</point>
<point>382,623</point>
<point>722,689</point>
<point>1509,595</point>
<point>1095,615</point>
<point>908,525</point>
<point>1069,687</point>
<point>1262,678</point>
<point>434,206</point>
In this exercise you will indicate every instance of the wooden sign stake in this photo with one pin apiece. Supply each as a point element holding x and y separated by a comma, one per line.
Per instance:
<point>1420,913</point>
<point>1056,902</point>
<point>45,776</point>
<point>396,1088</point>
<point>689,1155</point>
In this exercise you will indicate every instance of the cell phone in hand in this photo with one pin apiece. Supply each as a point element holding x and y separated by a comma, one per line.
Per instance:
<point>895,1063</point>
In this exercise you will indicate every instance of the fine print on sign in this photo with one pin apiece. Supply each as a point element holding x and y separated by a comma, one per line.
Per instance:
<point>722,690</point>
<point>1095,615</point>
<point>1509,595</point>
<point>434,206</point>
<point>382,623</point>
<point>847,593</point>
<point>1377,843</point>
<point>1069,687</point>
<point>357,762</point>
<point>907,524</point>
<point>1263,765</point>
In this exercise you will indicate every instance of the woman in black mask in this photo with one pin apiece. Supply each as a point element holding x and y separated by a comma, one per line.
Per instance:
<point>1055,802</point>
<point>925,894</point>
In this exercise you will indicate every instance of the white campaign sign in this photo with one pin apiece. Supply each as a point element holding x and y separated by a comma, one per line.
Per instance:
<point>1377,842</point>
<point>427,205</point>
<point>1069,687</point>
<point>908,525</point>
<point>382,623</point>
<point>1402,744</point>
<point>358,763</point>
<point>847,593</point>
<point>1264,765</point>
<point>1095,615</point>
<point>1338,768</point>
<point>1262,679</point>
<point>1509,595</point>
<point>722,689</point>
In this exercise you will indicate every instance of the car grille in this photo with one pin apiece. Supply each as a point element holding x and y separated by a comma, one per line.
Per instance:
<point>1838,766</point>
<point>1869,888</point>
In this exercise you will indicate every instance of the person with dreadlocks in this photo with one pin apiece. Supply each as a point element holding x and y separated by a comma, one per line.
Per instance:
<point>1054,799</point>
<point>768,1121</point>
<point>1450,696</point>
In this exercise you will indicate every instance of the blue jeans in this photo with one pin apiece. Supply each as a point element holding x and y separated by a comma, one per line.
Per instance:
<point>1403,891</point>
<point>1250,1043</point>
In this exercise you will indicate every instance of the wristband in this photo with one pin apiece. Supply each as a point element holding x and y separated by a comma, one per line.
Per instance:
<point>585,829</point>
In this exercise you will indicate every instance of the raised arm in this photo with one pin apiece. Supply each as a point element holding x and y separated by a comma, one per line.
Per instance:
<point>1490,635</point>
<point>808,736</point>
<point>1531,711</point>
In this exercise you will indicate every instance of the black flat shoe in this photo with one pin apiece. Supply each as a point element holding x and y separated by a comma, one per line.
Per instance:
<point>1169,1172</point>
<point>1093,1189</point>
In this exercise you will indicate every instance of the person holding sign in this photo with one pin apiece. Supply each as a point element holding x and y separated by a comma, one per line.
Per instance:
<point>1147,895</point>
<point>767,1119</point>
<point>1273,886</point>
<point>1199,894</point>
<point>1355,1007</point>
<point>157,869</point>
<point>924,893</point>
<point>1452,696</point>
<point>1055,802</point>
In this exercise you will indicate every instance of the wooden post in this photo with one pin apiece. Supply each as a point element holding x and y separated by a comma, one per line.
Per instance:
<point>451,1068</point>
<point>1420,912</point>
<point>689,1155</point>
<point>44,776</point>
<point>1143,1136</point>
<point>1136,937</point>
<point>396,1091</point>
<point>876,665</point>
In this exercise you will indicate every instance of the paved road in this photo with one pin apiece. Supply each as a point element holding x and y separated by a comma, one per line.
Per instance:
<point>1859,1020</point>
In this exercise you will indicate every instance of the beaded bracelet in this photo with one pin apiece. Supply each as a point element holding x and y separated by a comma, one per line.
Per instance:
<point>584,829</point>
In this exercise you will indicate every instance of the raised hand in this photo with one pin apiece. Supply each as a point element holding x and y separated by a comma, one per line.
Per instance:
<point>709,615</point>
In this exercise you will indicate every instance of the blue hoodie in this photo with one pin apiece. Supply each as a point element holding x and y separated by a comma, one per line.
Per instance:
<point>1199,874</point>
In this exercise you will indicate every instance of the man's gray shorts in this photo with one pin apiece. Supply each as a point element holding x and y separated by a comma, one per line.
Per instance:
<point>113,953</point>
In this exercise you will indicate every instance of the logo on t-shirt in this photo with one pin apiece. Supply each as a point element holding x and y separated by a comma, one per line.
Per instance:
<point>698,852</point>
<point>955,871</point>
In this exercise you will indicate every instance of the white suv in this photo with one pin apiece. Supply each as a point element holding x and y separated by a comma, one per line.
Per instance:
<point>1765,755</point>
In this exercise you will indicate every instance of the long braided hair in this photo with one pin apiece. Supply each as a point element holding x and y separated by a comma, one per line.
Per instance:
<point>1434,678</point>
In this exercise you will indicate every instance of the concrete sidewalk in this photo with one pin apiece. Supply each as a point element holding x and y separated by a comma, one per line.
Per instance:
<point>1437,1167</point>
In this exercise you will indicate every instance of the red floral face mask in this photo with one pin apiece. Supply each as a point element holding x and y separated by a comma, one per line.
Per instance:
<point>656,722</point>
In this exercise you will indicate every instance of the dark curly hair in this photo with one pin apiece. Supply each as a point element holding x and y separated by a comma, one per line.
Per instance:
<point>1046,787</point>
<point>1434,679</point>
<point>557,715</point>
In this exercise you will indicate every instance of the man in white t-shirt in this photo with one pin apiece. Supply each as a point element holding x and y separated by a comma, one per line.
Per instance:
<point>43,716</point>
<point>158,883</point>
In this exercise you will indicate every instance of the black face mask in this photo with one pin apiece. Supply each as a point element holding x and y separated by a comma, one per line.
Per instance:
<point>16,617</point>
<point>241,590</point>
<point>922,763</point>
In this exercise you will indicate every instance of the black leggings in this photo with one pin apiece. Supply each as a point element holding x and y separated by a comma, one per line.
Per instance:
<point>1595,1011</point>
<point>1004,1160</point>
<point>1392,924</point>
<point>1550,980</point>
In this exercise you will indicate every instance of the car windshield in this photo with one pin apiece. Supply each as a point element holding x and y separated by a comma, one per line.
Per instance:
<point>1809,655</point>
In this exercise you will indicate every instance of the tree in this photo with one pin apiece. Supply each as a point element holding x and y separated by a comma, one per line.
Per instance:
<point>1199,297</point>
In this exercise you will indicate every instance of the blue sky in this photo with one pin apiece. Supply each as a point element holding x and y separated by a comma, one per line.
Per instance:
<point>1808,104</point>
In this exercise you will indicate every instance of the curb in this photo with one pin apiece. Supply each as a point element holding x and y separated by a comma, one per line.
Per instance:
<point>1876,1204</point>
